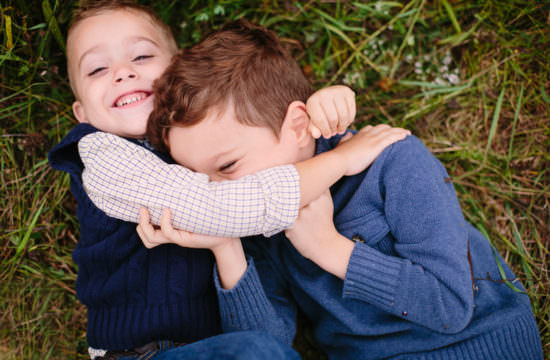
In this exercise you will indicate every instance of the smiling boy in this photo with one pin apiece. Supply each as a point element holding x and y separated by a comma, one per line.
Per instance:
<point>137,297</point>
<point>385,269</point>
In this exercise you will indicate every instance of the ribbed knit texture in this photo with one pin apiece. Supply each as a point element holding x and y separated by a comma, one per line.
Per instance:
<point>134,295</point>
<point>372,276</point>
<point>410,291</point>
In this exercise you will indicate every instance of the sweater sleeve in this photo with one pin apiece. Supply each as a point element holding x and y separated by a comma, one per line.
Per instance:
<point>429,282</point>
<point>120,177</point>
<point>255,304</point>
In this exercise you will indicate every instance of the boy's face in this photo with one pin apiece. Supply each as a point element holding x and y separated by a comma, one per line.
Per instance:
<point>225,149</point>
<point>114,57</point>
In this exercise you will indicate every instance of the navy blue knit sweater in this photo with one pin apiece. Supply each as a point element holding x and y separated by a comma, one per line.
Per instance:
<point>425,284</point>
<point>134,295</point>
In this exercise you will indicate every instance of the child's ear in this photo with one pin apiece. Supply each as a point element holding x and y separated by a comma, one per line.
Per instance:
<point>79,112</point>
<point>296,122</point>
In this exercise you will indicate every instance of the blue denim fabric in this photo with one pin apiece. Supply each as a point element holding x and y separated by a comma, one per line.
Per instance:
<point>249,345</point>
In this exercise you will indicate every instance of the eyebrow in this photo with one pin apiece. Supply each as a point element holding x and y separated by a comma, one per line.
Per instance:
<point>133,39</point>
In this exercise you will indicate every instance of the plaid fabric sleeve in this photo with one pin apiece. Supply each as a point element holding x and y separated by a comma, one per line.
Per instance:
<point>120,177</point>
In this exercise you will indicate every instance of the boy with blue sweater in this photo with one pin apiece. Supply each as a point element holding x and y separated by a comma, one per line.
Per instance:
<point>136,297</point>
<point>385,266</point>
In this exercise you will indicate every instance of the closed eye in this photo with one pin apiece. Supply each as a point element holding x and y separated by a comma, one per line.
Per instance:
<point>142,57</point>
<point>96,70</point>
<point>227,166</point>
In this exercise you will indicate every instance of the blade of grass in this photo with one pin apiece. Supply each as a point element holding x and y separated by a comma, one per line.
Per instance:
<point>513,133</point>
<point>452,15</point>
<point>494,123</point>
<point>23,243</point>
<point>397,58</point>
<point>521,248</point>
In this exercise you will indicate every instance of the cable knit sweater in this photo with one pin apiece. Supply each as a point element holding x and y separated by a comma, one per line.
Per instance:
<point>422,283</point>
<point>134,295</point>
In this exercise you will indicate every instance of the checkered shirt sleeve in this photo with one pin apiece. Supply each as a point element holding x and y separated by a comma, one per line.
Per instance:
<point>120,177</point>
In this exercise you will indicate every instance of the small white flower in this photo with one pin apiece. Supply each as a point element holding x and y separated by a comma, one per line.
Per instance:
<point>418,71</point>
<point>378,6</point>
<point>443,69</point>
<point>453,79</point>
<point>408,58</point>
<point>418,64</point>
<point>447,60</point>
<point>439,81</point>
<point>426,57</point>
<point>390,26</point>
<point>311,37</point>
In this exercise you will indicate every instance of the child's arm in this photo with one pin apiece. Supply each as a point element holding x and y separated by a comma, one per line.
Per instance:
<point>428,281</point>
<point>245,301</point>
<point>121,177</point>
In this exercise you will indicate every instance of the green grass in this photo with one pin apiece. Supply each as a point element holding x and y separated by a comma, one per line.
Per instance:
<point>470,78</point>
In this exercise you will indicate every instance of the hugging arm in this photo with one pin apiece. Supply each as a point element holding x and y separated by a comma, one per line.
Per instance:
<point>120,177</point>
<point>429,281</point>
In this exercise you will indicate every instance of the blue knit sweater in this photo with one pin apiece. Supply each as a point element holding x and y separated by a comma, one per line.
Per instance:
<point>422,283</point>
<point>134,295</point>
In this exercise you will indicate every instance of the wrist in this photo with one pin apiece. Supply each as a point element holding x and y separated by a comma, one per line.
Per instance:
<point>230,261</point>
<point>334,254</point>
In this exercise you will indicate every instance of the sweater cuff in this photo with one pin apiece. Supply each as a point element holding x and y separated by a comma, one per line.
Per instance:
<point>245,305</point>
<point>372,276</point>
<point>281,187</point>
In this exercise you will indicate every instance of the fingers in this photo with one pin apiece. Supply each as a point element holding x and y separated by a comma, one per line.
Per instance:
<point>352,111</point>
<point>387,135</point>
<point>343,117</point>
<point>149,236</point>
<point>330,118</point>
<point>168,231</point>
<point>314,131</point>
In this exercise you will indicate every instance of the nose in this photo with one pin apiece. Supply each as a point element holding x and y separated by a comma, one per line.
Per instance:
<point>124,73</point>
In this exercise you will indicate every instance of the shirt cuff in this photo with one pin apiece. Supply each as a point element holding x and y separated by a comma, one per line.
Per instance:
<point>244,306</point>
<point>281,187</point>
<point>372,276</point>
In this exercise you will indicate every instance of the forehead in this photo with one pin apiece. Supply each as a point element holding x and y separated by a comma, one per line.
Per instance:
<point>111,28</point>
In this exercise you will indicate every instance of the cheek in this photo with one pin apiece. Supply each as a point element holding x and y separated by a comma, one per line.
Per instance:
<point>156,70</point>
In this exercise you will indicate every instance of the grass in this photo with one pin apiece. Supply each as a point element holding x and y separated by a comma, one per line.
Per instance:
<point>470,78</point>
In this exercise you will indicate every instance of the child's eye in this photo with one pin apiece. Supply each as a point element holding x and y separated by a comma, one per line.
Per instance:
<point>142,57</point>
<point>96,70</point>
<point>227,167</point>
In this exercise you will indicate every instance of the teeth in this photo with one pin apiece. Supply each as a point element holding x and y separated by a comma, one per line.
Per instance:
<point>129,99</point>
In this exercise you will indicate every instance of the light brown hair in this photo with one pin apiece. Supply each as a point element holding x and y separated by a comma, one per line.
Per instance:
<point>90,8</point>
<point>240,65</point>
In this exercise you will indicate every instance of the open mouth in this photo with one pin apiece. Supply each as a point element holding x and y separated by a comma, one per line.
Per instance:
<point>130,99</point>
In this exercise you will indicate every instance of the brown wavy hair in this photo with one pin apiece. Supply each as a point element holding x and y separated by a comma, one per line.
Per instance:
<point>241,65</point>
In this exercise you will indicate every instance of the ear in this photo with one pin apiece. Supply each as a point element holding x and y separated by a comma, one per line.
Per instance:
<point>79,113</point>
<point>296,123</point>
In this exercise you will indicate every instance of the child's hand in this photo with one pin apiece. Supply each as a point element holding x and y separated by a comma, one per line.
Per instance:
<point>331,110</point>
<point>360,150</point>
<point>316,238</point>
<point>152,237</point>
<point>314,224</point>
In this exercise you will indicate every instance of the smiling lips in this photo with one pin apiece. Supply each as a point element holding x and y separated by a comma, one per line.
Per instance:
<point>131,98</point>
